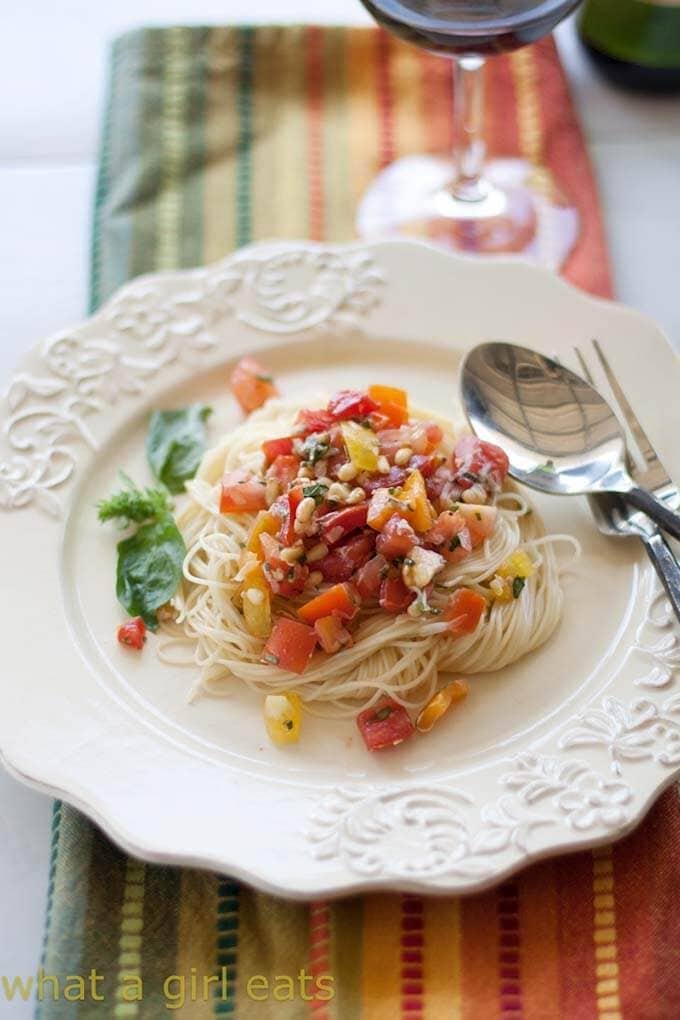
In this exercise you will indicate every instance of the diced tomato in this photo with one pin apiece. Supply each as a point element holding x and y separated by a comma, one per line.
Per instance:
<point>273,448</point>
<point>350,404</point>
<point>433,437</point>
<point>132,633</point>
<point>264,522</point>
<point>423,437</point>
<point>309,421</point>
<point>339,600</point>
<point>370,577</point>
<point>480,520</point>
<point>284,468</point>
<point>392,406</point>
<point>395,597</point>
<point>346,559</point>
<point>420,515</point>
<point>251,384</point>
<point>242,492</point>
<point>331,634</point>
<point>390,394</point>
<point>379,421</point>
<point>442,488</point>
<point>385,725</point>
<point>395,478</point>
<point>464,611</point>
<point>290,646</point>
<point>284,508</point>
<point>426,464</point>
<point>337,525</point>
<point>477,461</point>
<point>396,538</point>
<point>283,578</point>
<point>392,440</point>
<point>449,524</point>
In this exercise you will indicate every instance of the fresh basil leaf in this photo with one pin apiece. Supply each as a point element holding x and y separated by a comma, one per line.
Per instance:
<point>176,444</point>
<point>150,568</point>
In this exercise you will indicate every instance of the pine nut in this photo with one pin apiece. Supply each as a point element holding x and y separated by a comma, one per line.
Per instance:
<point>403,456</point>
<point>383,465</point>
<point>338,492</point>
<point>475,494</point>
<point>305,510</point>
<point>317,552</point>
<point>314,579</point>
<point>254,596</point>
<point>292,554</point>
<point>346,472</point>
<point>356,496</point>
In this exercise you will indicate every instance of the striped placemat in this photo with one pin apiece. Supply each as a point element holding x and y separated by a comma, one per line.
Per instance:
<point>213,138</point>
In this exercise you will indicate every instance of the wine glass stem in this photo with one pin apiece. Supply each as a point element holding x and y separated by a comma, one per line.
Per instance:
<point>468,129</point>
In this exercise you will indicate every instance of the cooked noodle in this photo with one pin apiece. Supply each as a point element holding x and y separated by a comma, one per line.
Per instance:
<point>402,656</point>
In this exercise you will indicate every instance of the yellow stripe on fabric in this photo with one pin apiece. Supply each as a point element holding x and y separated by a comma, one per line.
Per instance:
<point>442,960</point>
<point>196,942</point>
<point>381,958</point>
<point>221,128</point>
<point>172,154</point>
<point>605,936</point>
<point>339,208</point>
<point>408,111</point>
<point>363,130</point>
<point>128,989</point>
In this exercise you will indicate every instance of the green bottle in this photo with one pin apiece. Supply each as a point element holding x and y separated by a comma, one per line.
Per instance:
<point>635,43</point>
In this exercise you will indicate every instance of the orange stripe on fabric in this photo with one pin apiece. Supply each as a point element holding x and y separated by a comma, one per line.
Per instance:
<point>575,906</point>
<point>319,953</point>
<point>363,124</point>
<point>479,957</point>
<point>635,881</point>
<point>381,958</point>
<point>441,961</point>
<point>538,912</point>
<point>509,949</point>
<point>412,951</point>
<point>314,47</point>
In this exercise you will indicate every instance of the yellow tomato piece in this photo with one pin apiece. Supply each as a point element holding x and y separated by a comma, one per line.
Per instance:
<point>362,445</point>
<point>500,589</point>
<point>414,493</point>
<point>517,564</point>
<point>440,704</point>
<point>257,603</point>
<point>283,717</point>
<point>265,523</point>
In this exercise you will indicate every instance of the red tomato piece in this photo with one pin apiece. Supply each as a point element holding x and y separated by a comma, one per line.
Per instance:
<point>350,404</point>
<point>392,440</point>
<point>251,384</point>
<point>448,525</point>
<point>337,525</point>
<point>284,508</point>
<point>273,448</point>
<point>425,463</point>
<point>477,461</point>
<point>395,597</point>
<point>480,520</point>
<point>370,577</point>
<point>290,646</point>
<point>309,421</point>
<point>464,611</point>
<point>346,559</point>
<point>394,480</point>
<point>331,634</point>
<point>283,578</point>
<point>338,600</point>
<point>396,538</point>
<point>242,492</point>
<point>284,468</point>
<point>132,633</point>
<point>386,724</point>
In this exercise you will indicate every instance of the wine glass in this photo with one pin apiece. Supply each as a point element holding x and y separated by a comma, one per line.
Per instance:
<point>505,205</point>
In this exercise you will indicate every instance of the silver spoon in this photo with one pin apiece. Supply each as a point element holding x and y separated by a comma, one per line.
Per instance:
<point>560,435</point>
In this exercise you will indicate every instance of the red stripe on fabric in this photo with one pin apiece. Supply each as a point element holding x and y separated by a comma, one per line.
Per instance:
<point>319,953</point>
<point>385,101</point>
<point>314,49</point>
<point>509,991</point>
<point>412,942</point>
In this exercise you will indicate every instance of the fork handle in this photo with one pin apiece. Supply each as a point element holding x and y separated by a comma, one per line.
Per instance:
<point>665,564</point>
<point>654,508</point>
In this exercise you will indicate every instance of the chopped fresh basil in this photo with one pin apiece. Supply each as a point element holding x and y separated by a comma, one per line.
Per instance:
<point>383,713</point>
<point>263,377</point>
<point>454,543</point>
<point>176,444</point>
<point>288,723</point>
<point>478,515</point>
<point>317,492</point>
<point>315,449</point>
<point>518,586</point>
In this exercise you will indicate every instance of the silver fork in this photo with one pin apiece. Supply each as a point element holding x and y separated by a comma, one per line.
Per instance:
<point>612,515</point>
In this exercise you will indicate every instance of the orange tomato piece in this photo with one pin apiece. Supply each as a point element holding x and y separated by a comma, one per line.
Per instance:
<point>392,403</point>
<point>464,611</point>
<point>440,704</point>
<point>337,599</point>
<point>413,492</point>
<point>265,524</point>
<point>252,384</point>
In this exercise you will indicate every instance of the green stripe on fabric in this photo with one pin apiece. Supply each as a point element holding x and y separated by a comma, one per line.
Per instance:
<point>347,919</point>
<point>245,138</point>
<point>226,957</point>
<point>195,75</point>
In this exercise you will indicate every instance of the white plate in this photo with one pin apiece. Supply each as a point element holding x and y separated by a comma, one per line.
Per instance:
<point>565,749</point>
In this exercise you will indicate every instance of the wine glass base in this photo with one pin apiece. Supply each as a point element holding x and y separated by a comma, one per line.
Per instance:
<point>519,210</point>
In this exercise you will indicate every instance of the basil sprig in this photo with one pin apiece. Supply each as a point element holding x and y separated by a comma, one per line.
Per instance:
<point>176,443</point>
<point>149,569</point>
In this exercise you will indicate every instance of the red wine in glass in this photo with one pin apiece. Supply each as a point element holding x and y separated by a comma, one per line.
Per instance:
<point>482,27</point>
<point>507,205</point>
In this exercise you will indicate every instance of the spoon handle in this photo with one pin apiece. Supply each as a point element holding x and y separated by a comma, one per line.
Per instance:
<point>665,564</point>
<point>654,508</point>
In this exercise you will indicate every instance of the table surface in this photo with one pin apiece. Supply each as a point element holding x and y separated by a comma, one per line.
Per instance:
<point>53,60</point>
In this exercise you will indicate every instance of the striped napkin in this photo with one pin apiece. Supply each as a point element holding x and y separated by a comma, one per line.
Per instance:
<point>214,138</point>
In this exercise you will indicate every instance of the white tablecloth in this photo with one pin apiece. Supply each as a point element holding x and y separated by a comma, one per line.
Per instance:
<point>53,67</point>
